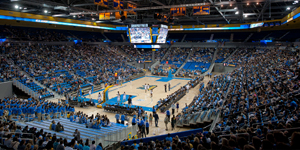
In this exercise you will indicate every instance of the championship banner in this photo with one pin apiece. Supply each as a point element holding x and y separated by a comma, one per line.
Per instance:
<point>118,5</point>
<point>201,10</point>
<point>165,19</point>
<point>180,11</point>
<point>132,8</point>
<point>103,3</point>
<point>104,16</point>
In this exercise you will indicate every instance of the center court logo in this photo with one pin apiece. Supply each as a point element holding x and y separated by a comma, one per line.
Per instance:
<point>150,87</point>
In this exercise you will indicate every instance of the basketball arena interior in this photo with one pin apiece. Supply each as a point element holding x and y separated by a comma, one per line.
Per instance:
<point>149,74</point>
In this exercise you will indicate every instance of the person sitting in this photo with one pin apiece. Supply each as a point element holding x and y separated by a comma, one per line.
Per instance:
<point>52,125</point>
<point>59,127</point>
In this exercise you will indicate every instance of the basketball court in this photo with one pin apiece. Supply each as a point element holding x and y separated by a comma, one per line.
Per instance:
<point>136,90</point>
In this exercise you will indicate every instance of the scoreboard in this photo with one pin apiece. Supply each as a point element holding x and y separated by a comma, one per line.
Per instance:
<point>201,10</point>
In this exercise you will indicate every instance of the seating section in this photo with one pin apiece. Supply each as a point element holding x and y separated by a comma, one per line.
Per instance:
<point>240,56</point>
<point>174,59</point>
<point>223,54</point>
<point>198,63</point>
<point>36,88</point>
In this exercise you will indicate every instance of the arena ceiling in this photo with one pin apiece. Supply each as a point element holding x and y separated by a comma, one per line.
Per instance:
<point>221,11</point>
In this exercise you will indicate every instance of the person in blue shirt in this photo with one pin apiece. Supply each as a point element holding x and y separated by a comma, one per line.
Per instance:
<point>39,112</point>
<point>55,109</point>
<point>1,111</point>
<point>86,146</point>
<point>136,146</point>
<point>169,138</point>
<point>122,119</point>
<point>133,122</point>
<point>168,114</point>
<point>99,147</point>
<point>53,125</point>
<point>117,116</point>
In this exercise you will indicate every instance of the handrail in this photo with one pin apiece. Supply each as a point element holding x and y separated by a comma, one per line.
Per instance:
<point>234,134</point>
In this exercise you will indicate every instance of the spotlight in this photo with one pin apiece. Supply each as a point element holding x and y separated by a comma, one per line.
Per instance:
<point>20,7</point>
<point>236,12</point>
<point>246,16</point>
<point>74,16</point>
<point>257,3</point>
<point>247,3</point>
<point>288,8</point>
<point>230,5</point>
<point>25,8</point>
<point>296,2</point>
<point>16,6</point>
<point>45,11</point>
<point>235,7</point>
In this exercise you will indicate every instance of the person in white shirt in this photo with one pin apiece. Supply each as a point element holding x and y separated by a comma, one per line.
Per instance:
<point>90,92</point>
<point>187,88</point>
<point>145,88</point>
<point>151,92</point>
<point>99,98</point>
<point>93,146</point>
<point>124,97</point>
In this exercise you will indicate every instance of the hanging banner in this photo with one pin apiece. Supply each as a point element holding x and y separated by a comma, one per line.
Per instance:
<point>103,3</point>
<point>104,16</point>
<point>201,10</point>
<point>118,5</point>
<point>180,11</point>
<point>132,8</point>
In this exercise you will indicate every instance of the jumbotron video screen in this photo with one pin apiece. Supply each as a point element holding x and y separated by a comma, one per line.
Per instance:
<point>140,35</point>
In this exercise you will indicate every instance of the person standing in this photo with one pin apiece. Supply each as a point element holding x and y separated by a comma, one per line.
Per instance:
<point>124,97</point>
<point>90,92</point>
<point>145,86</point>
<point>143,130</point>
<point>147,127</point>
<point>166,121</point>
<point>77,135</point>
<point>118,97</point>
<point>166,88</point>
<point>173,108</point>
<point>99,98</point>
<point>122,118</point>
<point>169,85</point>
<point>148,86</point>
<point>39,112</point>
<point>187,88</point>
<point>150,119</point>
<point>156,118</point>
<point>173,122</point>
<point>117,116</point>
<point>151,93</point>
<point>133,122</point>
<point>177,106</point>
<point>168,114</point>
<point>129,101</point>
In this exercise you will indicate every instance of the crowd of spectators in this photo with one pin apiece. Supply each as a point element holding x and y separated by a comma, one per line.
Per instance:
<point>223,53</point>
<point>16,138</point>
<point>240,56</point>
<point>8,71</point>
<point>21,109</point>
<point>198,63</point>
<point>66,68</point>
